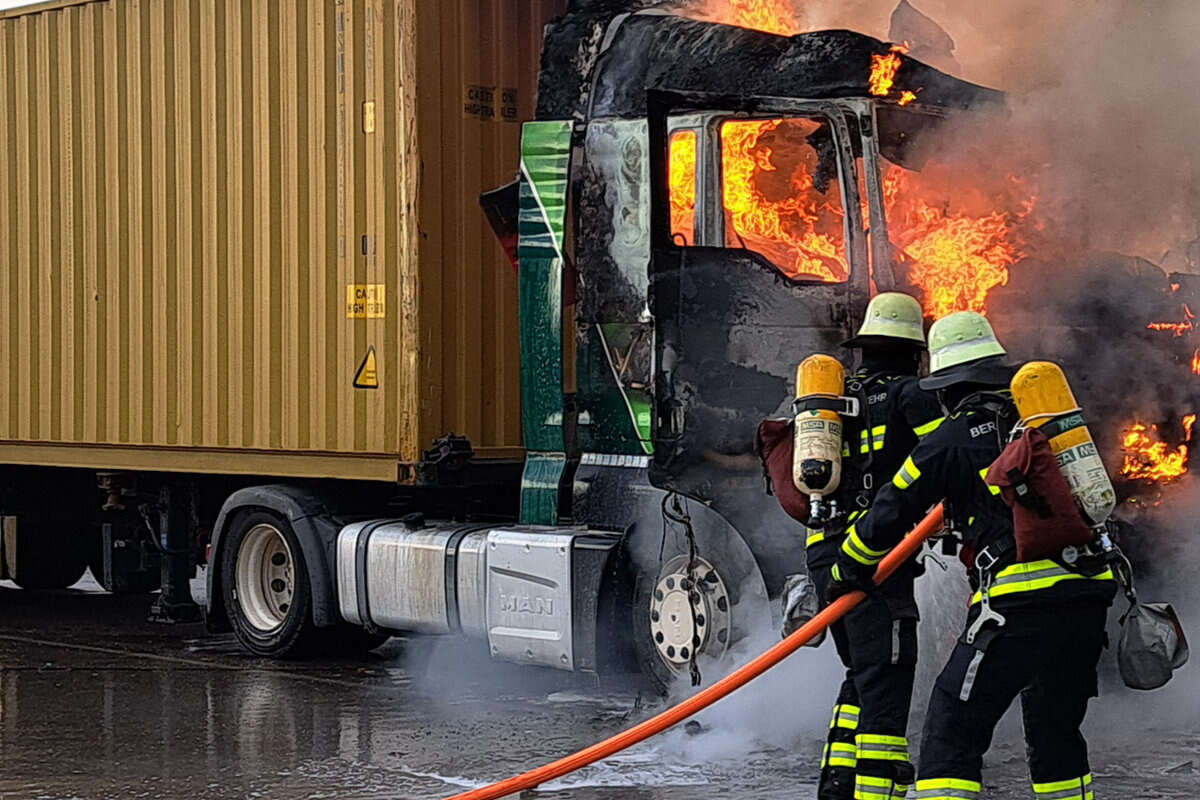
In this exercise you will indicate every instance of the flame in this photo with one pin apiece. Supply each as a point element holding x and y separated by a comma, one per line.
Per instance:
<point>772,203</point>
<point>1149,458</point>
<point>1196,362</point>
<point>772,16</point>
<point>1178,328</point>
<point>884,69</point>
<point>955,256</point>
<point>683,185</point>
<point>907,97</point>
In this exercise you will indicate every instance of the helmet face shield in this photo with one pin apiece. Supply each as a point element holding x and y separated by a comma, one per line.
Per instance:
<point>991,372</point>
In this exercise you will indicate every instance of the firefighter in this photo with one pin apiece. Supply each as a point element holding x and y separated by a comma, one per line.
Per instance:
<point>877,642</point>
<point>1035,629</point>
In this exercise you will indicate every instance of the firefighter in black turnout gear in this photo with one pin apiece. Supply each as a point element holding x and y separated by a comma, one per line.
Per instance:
<point>1035,629</point>
<point>866,754</point>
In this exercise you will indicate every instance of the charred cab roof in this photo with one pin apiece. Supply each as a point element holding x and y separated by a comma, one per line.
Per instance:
<point>661,51</point>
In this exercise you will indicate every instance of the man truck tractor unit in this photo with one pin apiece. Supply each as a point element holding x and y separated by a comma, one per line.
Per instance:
<point>253,307</point>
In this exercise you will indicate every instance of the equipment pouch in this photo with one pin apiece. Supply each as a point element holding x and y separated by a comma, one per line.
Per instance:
<point>774,444</point>
<point>1046,518</point>
<point>1152,645</point>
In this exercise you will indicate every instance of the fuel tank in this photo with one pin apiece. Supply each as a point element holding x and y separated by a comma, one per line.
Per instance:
<point>531,592</point>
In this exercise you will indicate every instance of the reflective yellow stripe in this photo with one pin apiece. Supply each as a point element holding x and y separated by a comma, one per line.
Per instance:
<point>983,474</point>
<point>1033,576</point>
<point>836,573</point>
<point>1073,789</point>
<point>1058,786</point>
<point>907,475</point>
<point>815,537</point>
<point>868,787</point>
<point>874,747</point>
<point>845,716</point>
<point>840,754</point>
<point>877,437</point>
<point>947,789</point>
<point>929,427</point>
<point>857,549</point>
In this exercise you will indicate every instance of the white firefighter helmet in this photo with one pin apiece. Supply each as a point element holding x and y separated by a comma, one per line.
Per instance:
<point>963,348</point>
<point>891,316</point>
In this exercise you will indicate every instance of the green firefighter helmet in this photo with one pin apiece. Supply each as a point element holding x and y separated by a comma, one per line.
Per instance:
<point>891,316</point>
<point>963,348</point>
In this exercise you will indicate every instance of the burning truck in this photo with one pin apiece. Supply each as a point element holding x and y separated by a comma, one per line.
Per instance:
<point>701,204</point>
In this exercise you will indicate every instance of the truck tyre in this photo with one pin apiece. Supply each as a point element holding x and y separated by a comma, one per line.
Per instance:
<point>727,603</point>
<point>265,582</point>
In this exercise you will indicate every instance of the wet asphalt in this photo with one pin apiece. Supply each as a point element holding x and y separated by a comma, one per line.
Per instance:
<point>96,703</point>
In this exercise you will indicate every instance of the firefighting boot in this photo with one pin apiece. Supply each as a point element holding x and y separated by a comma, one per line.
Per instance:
<point>837,783</point>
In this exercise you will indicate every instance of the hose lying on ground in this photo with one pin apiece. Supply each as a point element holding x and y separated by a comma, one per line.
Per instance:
<point>904,551</point>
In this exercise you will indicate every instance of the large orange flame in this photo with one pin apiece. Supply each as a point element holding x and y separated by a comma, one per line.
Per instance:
<point>772,16</point>
<point>954,253</point>
<point>772,203</point>
<point>683,185</point>
<point>1148,458</point>
<point>884,69</point>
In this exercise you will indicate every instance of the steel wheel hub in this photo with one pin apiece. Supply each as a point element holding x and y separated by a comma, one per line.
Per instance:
<point>265,577</point>
<point>689,613</point>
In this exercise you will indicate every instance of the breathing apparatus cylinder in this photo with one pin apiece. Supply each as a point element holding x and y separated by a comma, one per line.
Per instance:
<point>817,455</point>
<point>1045,400</point>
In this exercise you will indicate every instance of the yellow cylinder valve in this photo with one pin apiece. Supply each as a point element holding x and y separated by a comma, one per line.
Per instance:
<point>1045,400</point>
<point>817,455</point>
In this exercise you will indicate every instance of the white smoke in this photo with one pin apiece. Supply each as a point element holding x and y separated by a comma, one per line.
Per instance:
<point>1103,114</point>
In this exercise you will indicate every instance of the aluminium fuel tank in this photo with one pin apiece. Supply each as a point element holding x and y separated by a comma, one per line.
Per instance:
<point>532,593</point>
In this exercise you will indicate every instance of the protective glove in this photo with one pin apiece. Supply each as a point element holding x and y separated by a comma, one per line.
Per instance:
<point>849,576</point>
<point>800,604</point>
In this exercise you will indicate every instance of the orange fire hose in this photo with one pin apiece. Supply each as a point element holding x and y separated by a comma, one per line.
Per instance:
<point>726,686</point>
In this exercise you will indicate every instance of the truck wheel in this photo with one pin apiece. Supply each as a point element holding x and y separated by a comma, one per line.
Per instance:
<point>267,593</point>
<point>685,610</point>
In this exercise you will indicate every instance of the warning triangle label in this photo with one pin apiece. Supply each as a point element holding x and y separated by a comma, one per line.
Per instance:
<point>367,375</point>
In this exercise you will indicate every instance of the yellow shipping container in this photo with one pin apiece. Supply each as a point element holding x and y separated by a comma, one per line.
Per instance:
<point>243,236</point>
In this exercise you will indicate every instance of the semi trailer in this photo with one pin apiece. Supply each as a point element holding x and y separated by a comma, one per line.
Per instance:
<point>254,314</point>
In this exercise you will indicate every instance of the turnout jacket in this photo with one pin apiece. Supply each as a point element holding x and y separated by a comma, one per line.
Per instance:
<point>950,464</point>
<point>895,413</point>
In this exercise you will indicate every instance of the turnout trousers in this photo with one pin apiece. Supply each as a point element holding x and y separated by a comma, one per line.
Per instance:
<point>1048,657</point>
<point>866,753</point>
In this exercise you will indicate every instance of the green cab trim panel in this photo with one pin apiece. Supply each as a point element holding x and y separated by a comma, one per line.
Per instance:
<point>545,165</point>
<point>545,174</point>
<point>540,484</point>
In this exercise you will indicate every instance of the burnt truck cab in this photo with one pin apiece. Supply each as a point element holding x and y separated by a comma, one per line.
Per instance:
<point>656,332</point>
<point>686,335</point>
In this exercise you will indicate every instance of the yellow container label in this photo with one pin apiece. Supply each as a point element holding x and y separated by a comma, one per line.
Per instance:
<point>366,301</point>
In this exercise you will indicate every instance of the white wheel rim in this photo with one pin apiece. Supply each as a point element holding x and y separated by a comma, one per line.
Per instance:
<point>687,621</point>
<point>265,578</point>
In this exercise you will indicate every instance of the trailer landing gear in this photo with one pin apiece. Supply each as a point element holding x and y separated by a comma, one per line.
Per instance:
<point>174,604</point>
